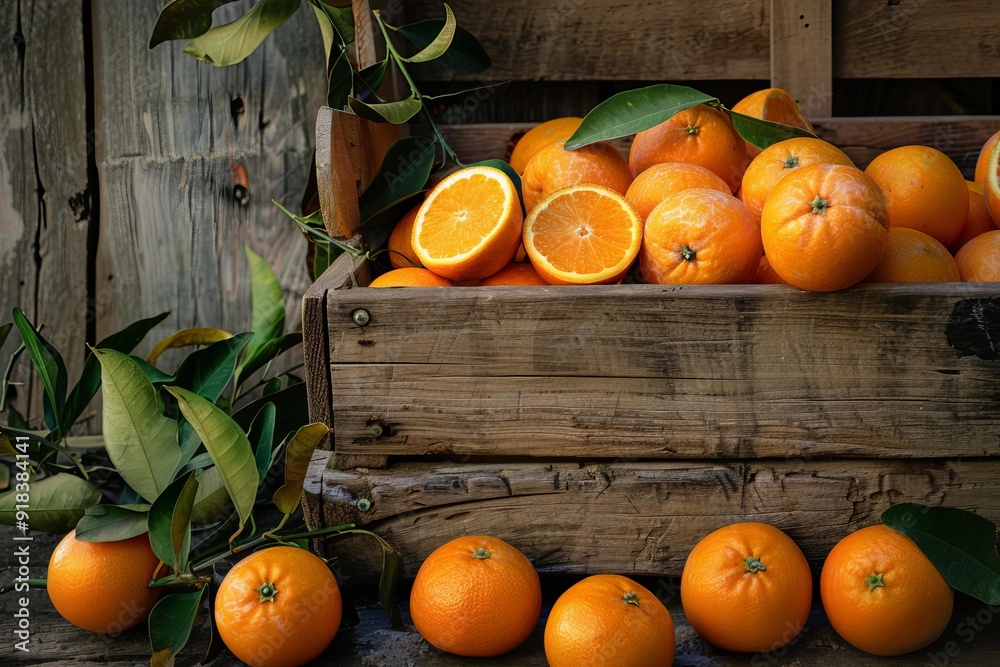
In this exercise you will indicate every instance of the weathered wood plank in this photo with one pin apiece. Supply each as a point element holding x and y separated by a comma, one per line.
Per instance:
<point>173,133</point>
<point>560,40</point>
<point>802,53</point>
<point>916,39</point>
<point>648,371</point>
<point>637,517</point>
<point>45,191</point>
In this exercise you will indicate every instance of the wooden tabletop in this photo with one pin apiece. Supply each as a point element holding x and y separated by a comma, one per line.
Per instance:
<point>972,638</point>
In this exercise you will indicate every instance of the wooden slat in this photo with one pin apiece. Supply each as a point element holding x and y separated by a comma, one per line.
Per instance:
<point>597,40</point>
<point>656,371</point>
<point>172,130</point>
<point>45,193</point>
<point>640,518</point>
<point>916,39</point>
<point>802,53</point>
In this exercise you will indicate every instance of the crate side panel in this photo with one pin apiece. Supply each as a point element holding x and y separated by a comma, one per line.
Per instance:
<point>642,518</point>
<point>641,371</point>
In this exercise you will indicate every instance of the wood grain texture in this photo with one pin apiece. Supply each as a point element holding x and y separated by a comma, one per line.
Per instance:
<point>802,53</point>
<point>667,371</point>
<point>171,132</point>
<point>45,194</point>
<point>648,41</point>
<point>916,39</point>
<point>637,517</point>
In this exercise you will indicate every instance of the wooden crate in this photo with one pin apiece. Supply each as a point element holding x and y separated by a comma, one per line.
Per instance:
<point>608,428</point>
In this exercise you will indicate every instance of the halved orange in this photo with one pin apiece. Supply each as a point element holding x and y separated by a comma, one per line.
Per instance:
<point>582,235</point>
<point>469,227</point>
<point>991,184</point>
<point>984,155</point>
<point>772,104</point>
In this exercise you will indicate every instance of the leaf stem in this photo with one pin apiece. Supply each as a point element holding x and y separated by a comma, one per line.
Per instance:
<point>32,583</point>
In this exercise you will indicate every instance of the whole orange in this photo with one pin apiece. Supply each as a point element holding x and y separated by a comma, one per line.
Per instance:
<point>979,259</point>
<point>882,594</point>
<point>924,189</point>
<point>746,587</point>
<point>401,253</point>
<point>554,168</point>
<point>410,277</point>
<point>766,275</point>
<point>476,596</point>
<point>700,237</point>
<point>977,222</point>
<point>824,227</point>
<point>278,607</point>
<point>103,586</point>
<point>515,273</point>
<point>780,159</point>
<point>608,620</point>
<point>772,104</point>
<point>914,257</point>
<point>667,178</point>
<point>539,137</point>
<point>701,135</point>
<point>984,154</point>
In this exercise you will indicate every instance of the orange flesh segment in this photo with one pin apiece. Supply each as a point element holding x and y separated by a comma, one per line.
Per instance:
<point>462,217</point>
<point>585,233</point>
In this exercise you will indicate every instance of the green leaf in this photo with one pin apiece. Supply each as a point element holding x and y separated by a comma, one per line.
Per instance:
<point>155,375</point>
<point>634,111</point>
<point>342,20</point>
<point>212,501</point>
<point>231,43</point>
<point>184,19</point>
<point>376,230</point>
<point>325,30</point>
<point>388,584</point>
<point>185,338</point>
<point>298,454</point>
<point>273,385</point>
<point>171,621</point>
<point>267,304</point>
<point>49,365</point>
<point>396,113</point>
<point>340,83</point>
<point>465,55</point>
<point>56,503</point>
<point>475,96</point>
<point>961,545</point>
<point>403,172</point>
<point>206,372</point>
<point>373,75</point>
<point>764,133</point>
<point>228,446</point>
<point>323,258</point>
<point>441,41</point>
<point>110,523</point>
<point>170,522</point>
<point>268,352</point>
<point>4,475</point>
<point>5,380</point>
<point>4,331</point>
<point>292,408</point>
<point>140,441</point>
<point>261,438</point>
<point>214,539</point>
<point>121,341</point>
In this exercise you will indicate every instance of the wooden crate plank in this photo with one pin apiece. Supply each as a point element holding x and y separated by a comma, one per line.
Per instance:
<point>640,518</point>
<point>172,235</point>
<point>647,371</point>
<point>559,40</point>
<point>916,39</point>
<point>802,53</point>
<point>46,194</point>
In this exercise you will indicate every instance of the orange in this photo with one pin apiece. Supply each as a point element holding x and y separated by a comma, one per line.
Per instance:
<point>103,586</point>
<point>278,607</point>
<point>554,168</point>
<point>924,190</point>
<point>766,275</point>
<point>701,135</point>
<point>608,620</point>
<point>401,253</point>
<point>582,235</point>
<point>991,183</point>
<point>469,226</point>
<point>977,222</point>
<point>984,154</point>
<point>515,273</point>
<point>411,277</point>
<point>779,160</point>
<point>476,596</point>
<point>824,227</point>
<point>662,180</point>
<point>772,104</point>
<point>539,137</point>
<point>746,587</point>
<point>914,257</point>
<point>882,594</point>
<point>979,259</point>
<point>700,236</point>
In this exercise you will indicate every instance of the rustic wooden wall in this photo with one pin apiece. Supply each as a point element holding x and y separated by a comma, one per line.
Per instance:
<point>137,200</point>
